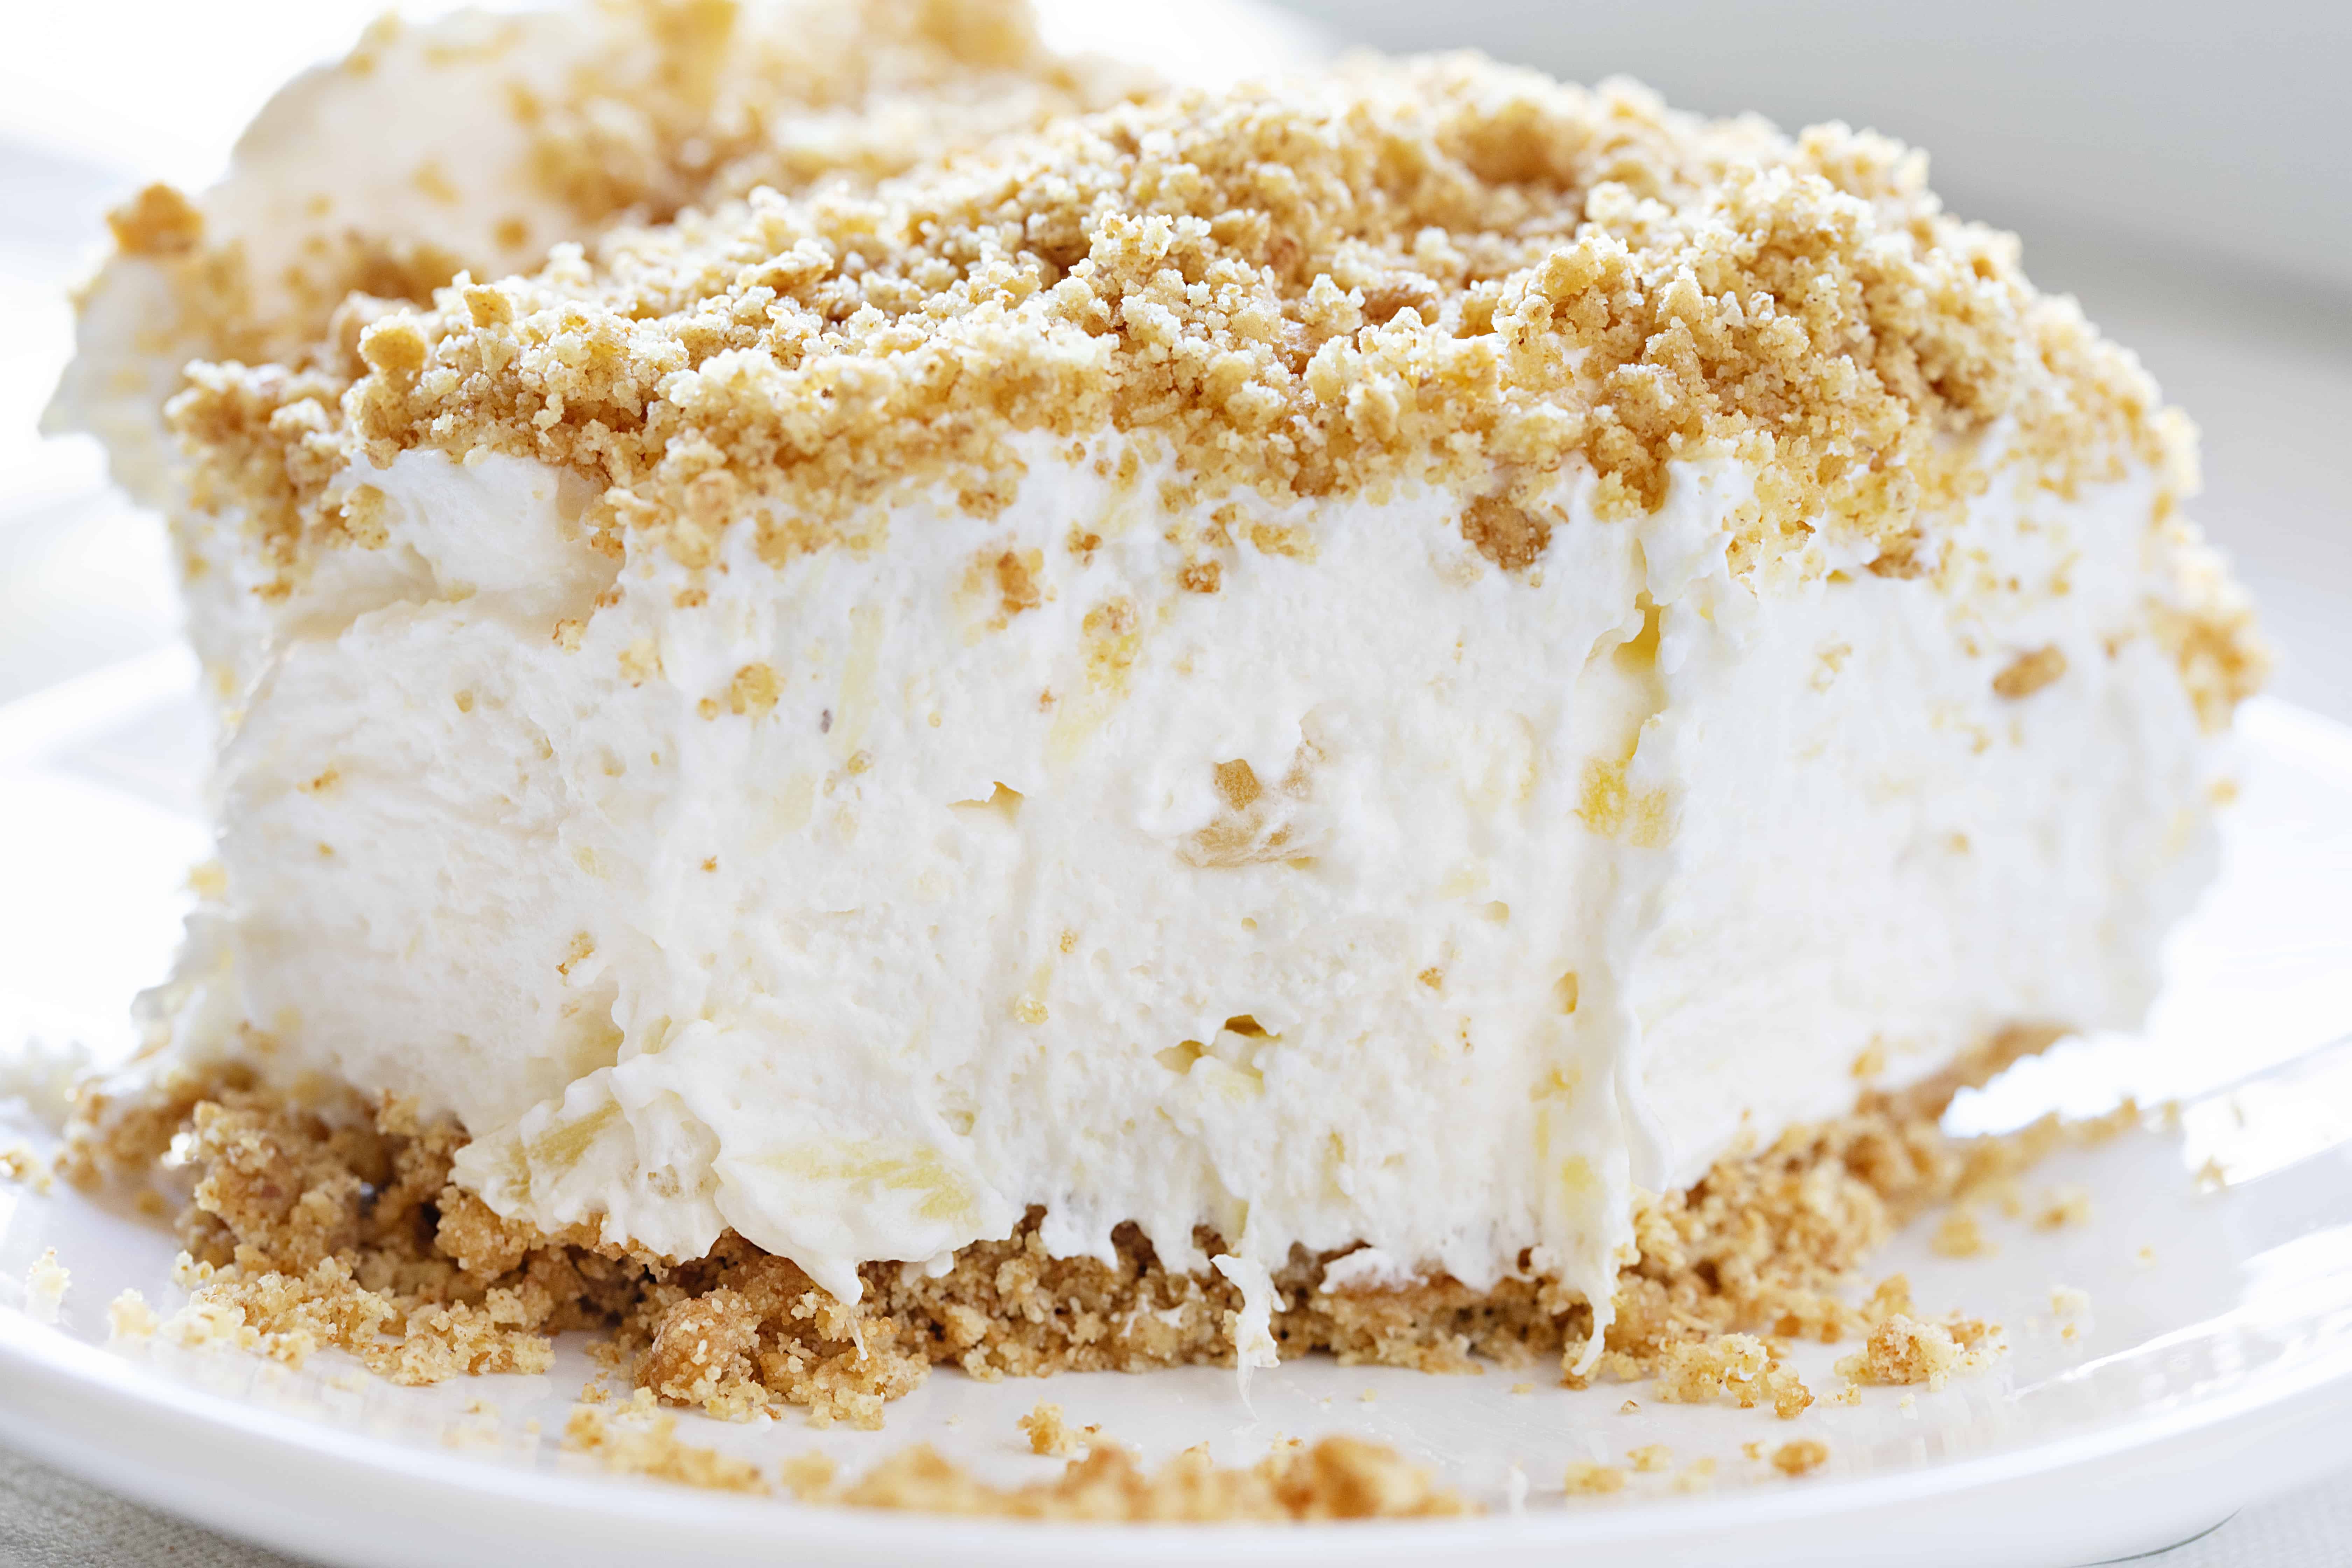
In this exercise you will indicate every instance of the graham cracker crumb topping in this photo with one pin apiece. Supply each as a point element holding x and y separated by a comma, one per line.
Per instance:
<point>1441,273</point>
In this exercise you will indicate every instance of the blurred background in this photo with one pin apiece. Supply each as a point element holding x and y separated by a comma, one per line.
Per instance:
<point>2181,168</point>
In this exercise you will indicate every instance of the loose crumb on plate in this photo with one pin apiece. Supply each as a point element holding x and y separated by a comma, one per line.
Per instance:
<point>1585,1479</point>
<point>45,1287</point>
<point>651,1447</point>
<point>1740,1367</point>
<point>1698,1476</point>
<point>2072,1308</point>
<point>2063,1206</point>
<point>809,1476</point>
<point>1651,1458</point>
<point>1960,1235</point>
<point>1902,1349</point>
<point>1337,1478</point>
<point>1800,1455</point>
<point>1049,1434</point>
<point>129,1316</point>
<point>19,1163</point>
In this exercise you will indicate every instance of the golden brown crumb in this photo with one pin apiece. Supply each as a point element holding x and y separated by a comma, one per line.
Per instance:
<point>1650,1458</point>
<point>1048,1433</point>
<point>1751,1450</point>
<point>1585,1479</point>
<point>1739,1366</point>
<point>754,691</point>
<point>1800,1455</point>
<point>1202,577</point>
<point>19,1163</point>
<point>127,1317</point>
<point>158,222</point>
<point>2062,1207</point>
<point>1902,1349</point>
<point>1506,534</point>
<point>1016,580</point>
<point>1697,1476</point>
<point>809,1476</point>
<point>1523,1388</point>
<point>1888,1296</point>
<point>1337,1478</point>
<point>650,1445</point>
<point>2030,672</point>
<point>1959,1234</point>
<point>1628,1408</point>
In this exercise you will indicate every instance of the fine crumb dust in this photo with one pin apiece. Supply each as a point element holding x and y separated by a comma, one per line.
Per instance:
<point>1337,1478</point>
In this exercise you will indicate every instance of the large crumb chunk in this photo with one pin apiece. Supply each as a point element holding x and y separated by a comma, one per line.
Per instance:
<point>1739,1366</point>
<point>1049,1434</point>
<point>1902,1349</point>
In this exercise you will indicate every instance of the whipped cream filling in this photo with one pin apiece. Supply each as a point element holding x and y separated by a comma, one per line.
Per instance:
<point>863,900</point>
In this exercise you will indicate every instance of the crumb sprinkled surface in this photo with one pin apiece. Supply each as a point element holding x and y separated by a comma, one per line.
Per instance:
<point>1441,273</point>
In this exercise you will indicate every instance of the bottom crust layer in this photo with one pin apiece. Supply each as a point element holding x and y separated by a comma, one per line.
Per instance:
<point>306,1230</point>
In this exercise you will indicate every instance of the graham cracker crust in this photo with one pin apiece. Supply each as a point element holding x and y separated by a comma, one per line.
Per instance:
<point>306,1230</point>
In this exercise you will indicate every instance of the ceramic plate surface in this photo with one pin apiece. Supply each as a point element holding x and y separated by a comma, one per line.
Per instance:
<point>2214,1367</point>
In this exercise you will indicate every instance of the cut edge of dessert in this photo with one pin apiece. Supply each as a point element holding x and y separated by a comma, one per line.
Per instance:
<point>1561,333</point>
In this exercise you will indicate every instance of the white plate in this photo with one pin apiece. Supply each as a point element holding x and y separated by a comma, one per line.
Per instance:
<point>2215,1370</point>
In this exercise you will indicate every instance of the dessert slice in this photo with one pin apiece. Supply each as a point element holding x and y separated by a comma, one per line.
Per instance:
<point>1269,715</point>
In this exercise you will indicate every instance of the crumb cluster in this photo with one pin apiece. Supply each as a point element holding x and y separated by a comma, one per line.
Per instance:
<point>1902,1349</point>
